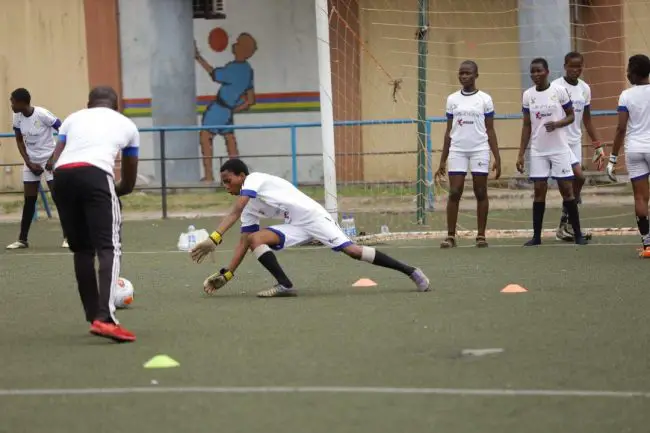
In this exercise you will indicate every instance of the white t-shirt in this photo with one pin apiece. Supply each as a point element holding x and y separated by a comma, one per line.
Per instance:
<point>636,101</point>
<point>37,131</point>
<point>544,107</point>
<point>468,133</point>
<point>95,136</point>
<point>580,95</point>
<point>274,197</point>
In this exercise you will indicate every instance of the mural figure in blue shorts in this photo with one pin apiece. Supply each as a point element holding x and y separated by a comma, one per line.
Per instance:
<point>236,94</point>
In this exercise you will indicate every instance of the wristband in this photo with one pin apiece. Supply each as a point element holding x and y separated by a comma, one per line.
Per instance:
<point>226,274</point>
<point>613,158</point>
<point>216,237</point>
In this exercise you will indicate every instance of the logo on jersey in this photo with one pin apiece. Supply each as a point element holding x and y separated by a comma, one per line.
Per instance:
<point>539,115</point>
<point>461,122</point>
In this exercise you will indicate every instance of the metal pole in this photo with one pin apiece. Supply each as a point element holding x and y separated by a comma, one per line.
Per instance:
<point>430,185</point>
<point>294,156</point>
<point>163,175</point>
<point>423,8</point>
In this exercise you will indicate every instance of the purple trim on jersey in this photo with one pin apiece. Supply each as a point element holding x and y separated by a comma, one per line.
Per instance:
<point>568,105</point>
<point>450,116</point>
<point>456,173</point>
<point>18,132</point>
<point>479,173</point>
<point>587,106</point>
<point>490,114</point>
<point>538,178</point>
<point>279,246</point>
<point>343,245</point>
<point>525,110</point>
<point>564,177</point>
<point>248,193</point>
<point>575,163</point>
<point>57,124</point>
<point>643,176</point>
<point>250,229</point>
<point>62,138</point>
<point>622,108</point>
<point>130,151</point>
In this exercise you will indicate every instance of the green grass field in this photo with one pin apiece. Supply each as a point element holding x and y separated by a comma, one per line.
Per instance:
<point>336,358</point>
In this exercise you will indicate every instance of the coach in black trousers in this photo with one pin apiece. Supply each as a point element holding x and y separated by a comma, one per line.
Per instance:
<point>88,201</point>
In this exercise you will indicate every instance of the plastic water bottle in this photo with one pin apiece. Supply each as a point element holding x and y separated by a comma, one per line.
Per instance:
<point>345,225</point>
<point>191,237</point>
<point>384,230</point>
<point>353,226</point>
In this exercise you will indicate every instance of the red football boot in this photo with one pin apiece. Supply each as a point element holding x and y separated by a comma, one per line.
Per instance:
<point>112,331</point>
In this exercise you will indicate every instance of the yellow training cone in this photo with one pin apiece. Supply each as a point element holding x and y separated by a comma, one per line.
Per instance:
<point>161,361</point>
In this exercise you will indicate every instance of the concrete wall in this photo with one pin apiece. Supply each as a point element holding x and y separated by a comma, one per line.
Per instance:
<point>43,50</point>
<point>285,68</point>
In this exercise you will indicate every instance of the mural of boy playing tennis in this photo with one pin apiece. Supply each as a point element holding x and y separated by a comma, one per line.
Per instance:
<point>236,94</point>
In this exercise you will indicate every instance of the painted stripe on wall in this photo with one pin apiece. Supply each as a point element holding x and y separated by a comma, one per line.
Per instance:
<point>265,103</point>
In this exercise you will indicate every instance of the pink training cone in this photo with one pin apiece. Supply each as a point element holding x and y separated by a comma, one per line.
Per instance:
<point>364,282</point>
<point>513,288</point>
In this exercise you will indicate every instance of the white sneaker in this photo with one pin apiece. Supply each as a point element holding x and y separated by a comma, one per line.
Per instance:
<point>17,245</point>
<point>65,244</point>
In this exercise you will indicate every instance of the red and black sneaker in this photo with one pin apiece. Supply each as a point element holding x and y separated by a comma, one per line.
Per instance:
<point>112,331</point>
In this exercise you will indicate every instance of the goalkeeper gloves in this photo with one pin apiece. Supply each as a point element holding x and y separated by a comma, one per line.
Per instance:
<point>611,168</point>
<point>599,155</point>
<point>217,280</point>
<point>202,249</point>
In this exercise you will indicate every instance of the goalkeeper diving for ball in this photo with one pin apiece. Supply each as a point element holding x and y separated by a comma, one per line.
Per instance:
<point>262,195</point>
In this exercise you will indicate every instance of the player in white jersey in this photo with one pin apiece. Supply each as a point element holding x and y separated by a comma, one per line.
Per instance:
<point>89,204</point>
<point>34,128</point>
<point>469,137</point>
<point>265,196</point>
<point>547,111</point>
<point>633,130</point>
<point>580,94</point>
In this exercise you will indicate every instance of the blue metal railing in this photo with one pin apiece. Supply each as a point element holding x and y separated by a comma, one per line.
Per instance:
<point>293,128</point>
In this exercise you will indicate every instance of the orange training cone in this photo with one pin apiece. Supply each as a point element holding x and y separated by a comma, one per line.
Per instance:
<point>513,288</point>
<point>364,282</point>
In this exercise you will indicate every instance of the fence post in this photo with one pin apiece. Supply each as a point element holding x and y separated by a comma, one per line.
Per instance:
<point>163,174</point>
<point>430,185</point>
<point>294,156</point>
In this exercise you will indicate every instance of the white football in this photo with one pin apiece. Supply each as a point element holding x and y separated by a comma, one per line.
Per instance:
<point>123,293</point>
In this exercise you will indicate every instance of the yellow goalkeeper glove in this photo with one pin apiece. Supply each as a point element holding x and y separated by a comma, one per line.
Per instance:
<point>202,249</point>
<point>217,280</point>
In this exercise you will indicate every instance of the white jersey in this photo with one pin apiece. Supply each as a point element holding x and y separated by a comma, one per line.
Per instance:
<point>95,136</point>
<point>580,95</point>
<point>468,112</point>
<point>636,101</point>
<point>38,133</point>
<point>274,197</point>
<point>546,106</point>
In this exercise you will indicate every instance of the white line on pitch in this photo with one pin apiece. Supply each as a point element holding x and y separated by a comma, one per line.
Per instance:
<point>326,390</point>
<point>385,246</point>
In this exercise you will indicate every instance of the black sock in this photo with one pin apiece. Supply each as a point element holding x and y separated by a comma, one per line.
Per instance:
<point>386,261</point>
<point>270,262</point>
<point>538,218</point>
<point>574,216</point>
<point>565,216</point>
<point>643,225</point>
<point>28,214</point>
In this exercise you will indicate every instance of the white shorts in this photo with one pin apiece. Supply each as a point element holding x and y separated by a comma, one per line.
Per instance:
<point>460,162</point>
<point>576,149</point>
<point>323,229</point>
<point>557,166</point>
<point>29,177</point>
<point>638,164</point>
